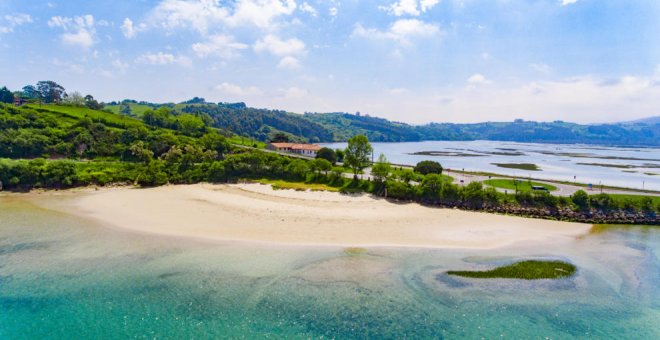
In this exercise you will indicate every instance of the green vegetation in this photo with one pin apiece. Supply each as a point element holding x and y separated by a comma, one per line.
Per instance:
<point>526,270</point>
<point>357,153</point>
<point>520,166</point>
<point>63,146</point>
<point>298,186</point>
<point>354,251</point>
<point>327,154</point>
<point>129,109</point>
<point>262,125</point>
<point>428,167</point>
<point>520,185</point>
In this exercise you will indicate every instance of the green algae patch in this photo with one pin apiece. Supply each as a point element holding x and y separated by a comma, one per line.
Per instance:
<point>525,270</point>
<point>354,251</point>
<point>519,166</point>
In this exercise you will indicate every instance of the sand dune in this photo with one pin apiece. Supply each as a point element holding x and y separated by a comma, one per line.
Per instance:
<point>256,213</point>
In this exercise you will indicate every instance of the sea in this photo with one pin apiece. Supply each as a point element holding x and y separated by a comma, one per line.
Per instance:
<point>628,167</point>
<point>64,277</point>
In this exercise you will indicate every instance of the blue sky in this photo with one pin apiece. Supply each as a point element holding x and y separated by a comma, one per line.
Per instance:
<point>408,60</point>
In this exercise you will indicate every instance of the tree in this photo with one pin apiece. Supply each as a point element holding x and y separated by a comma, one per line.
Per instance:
<point>319,165</point>
<point>280,137</point>
<point>381,169</point>
<point>6,96</point>
<point>581,199</point>
<point>473,194</point>
<point>50,91</point>
<point>340,155</point>
<point>428,167</point>
<point>75,99</point>
<point>215,142</point>
<point>357,153</point>
<point>431,186</point>
<point>190,125</point>
<point>327,154</point>
<point>140,151</point>
<point>125,109</point>
<point>91,103</point>
<point>30,92</point>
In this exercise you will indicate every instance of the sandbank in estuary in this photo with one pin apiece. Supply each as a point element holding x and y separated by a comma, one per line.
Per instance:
<point>256,213</point>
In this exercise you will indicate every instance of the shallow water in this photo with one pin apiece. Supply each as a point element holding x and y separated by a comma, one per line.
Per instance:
<point>556,161</point>
<point>64,277</point>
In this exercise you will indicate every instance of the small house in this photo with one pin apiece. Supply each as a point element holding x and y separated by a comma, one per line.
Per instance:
<point>18,101</point>
<point>297,148</point>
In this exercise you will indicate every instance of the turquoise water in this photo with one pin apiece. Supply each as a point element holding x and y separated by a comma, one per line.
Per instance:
<point>63,278</point>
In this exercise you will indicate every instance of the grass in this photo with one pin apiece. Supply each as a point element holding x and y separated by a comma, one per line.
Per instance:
<point>110,119</point>
<point>245,141</point>
<point>526,270</point>
<point>136,109</point>
<point>523,185</point>
<point>637,199</point>
<point>299,186</point>
<point>519,166</point>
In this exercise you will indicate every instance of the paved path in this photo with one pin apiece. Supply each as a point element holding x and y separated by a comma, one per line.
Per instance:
<point>562,189</point>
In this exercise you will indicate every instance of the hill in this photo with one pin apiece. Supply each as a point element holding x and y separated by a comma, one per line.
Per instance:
<point>264,125</point>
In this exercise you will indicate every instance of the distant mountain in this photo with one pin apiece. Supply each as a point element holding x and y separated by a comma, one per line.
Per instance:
<point>648,121</point>
<point>264,124</point>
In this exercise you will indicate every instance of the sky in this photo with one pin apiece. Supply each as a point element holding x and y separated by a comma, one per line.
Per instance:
<point>415,61</point>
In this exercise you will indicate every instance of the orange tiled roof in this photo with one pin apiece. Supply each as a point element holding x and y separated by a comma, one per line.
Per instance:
<point>295,146</point>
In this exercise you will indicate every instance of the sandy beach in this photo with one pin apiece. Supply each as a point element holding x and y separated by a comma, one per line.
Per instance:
<point>257,213</point>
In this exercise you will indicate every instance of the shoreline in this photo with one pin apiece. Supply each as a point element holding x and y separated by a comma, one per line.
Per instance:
<point>256,213</point>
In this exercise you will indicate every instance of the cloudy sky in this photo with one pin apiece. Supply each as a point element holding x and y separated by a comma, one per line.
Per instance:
<point>408,60</point>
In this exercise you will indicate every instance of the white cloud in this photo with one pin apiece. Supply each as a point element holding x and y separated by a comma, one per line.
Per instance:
<point>294,93</point>
<point>237,90</point>
<point>333,11</point>
<point>129,30</point>
<point>541,68</point>
<point>15,20</point>
<point>260,13</point>
<point>161,58</point>
<point>478,79</point>
<point>567,2</point>
<point>69,65</point>
<point>78,30</point>
<point>198,15</point>
<point>307,8</point>
<point>402,31</point>
<point>201,15</point>
<point>289,63</point>
<point>584,99</point>
<point>120,66</point>
<point>223,46</point>
<point>409,7</point>
<point>274,45</point>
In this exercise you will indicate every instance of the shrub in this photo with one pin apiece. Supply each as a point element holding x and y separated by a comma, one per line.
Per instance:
<point>428,167</point>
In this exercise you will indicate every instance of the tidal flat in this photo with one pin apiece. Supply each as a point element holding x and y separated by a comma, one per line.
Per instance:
<point>62,275</point>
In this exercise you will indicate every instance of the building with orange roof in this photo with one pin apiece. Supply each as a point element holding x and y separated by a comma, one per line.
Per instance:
<point>297,148</point>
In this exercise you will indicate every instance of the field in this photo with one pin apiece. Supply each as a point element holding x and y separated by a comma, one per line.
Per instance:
<point>77,113</point>
<point>523,185</point>
<point>137,110</point>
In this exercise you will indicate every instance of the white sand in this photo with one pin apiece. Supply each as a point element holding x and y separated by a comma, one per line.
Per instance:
<point>256,213</point>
